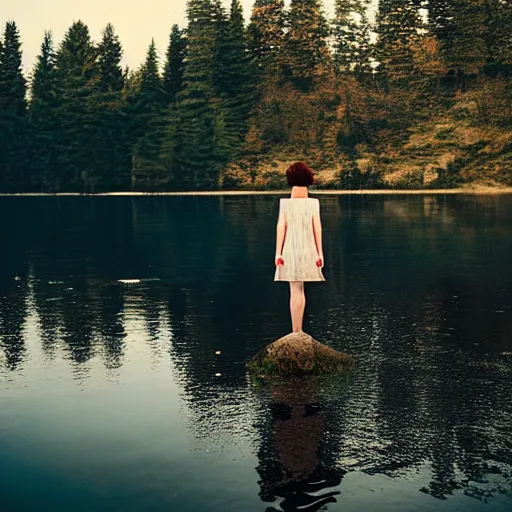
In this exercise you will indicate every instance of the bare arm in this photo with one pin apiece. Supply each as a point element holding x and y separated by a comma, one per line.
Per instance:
<point>317,231</point>
<point>280,232</point>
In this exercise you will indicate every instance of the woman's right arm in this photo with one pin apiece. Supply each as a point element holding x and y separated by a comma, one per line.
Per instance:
<point>317,231</point>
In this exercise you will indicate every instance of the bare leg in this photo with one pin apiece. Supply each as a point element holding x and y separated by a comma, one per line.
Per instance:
<point>297,304</point>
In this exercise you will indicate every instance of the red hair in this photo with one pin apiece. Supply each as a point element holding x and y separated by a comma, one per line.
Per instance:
<point>300,175</point>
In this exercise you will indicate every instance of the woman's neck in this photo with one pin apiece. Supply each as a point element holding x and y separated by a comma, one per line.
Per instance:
<point>299,192</point>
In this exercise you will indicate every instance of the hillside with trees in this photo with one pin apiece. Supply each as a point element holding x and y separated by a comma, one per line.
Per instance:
<point>419,97</point>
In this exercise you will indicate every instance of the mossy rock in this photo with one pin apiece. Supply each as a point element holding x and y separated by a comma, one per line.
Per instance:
<point>298,354</point>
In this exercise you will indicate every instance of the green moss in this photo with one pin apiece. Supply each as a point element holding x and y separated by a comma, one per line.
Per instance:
<point>263,367</point>
<point>323,360</point>
<point>267,368</point>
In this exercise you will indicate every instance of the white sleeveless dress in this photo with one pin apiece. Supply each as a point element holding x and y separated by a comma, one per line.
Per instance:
<point>299,249</point>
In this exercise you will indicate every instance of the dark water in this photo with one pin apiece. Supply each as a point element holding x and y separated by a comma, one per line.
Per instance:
<point>110,397</point>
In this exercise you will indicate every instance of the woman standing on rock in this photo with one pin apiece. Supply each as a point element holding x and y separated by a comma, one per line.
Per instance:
<point>299,255</point>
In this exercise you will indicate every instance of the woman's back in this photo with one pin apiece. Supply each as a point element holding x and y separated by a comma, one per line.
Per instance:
<point>299,252</point>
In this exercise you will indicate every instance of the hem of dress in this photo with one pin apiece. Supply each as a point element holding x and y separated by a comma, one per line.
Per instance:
<point>300,280</point>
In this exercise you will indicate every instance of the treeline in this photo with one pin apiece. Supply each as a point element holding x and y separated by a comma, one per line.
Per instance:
<point>290,82</point>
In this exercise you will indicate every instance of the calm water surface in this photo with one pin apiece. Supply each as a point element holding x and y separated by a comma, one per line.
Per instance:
<point>112,396</point>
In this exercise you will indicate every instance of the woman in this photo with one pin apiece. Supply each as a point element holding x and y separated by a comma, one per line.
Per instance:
<point>299,255</point>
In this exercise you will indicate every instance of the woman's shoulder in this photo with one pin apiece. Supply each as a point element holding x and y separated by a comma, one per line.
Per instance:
<point>300,199</point>
<point>306,202</point>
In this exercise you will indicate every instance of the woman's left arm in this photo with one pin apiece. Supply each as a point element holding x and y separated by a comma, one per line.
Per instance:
<point>280,232</point>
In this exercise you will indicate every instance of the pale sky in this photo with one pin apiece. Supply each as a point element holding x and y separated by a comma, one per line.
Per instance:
<point>135,22</point>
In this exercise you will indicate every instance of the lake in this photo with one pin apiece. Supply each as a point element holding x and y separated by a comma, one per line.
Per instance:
<point>133,396</point>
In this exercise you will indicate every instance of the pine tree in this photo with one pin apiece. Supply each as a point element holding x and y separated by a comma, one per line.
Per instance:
<point>196,162</point>
<point>131,95</point>
<point>148,118</point>
<point>441,21</point>
<point>473,34</point>
<point>43,118</point>
<point>237,65</point>
<point>151,80</point>
<point>221,47</point>
<point>109,59</point>
<point>43,78</point>
<point>498,38</point>
<point>467,52</point>
<point>351,34</point>
<point>12,81</point>
<point>266,34</point>
<point>174,64</point>
<point>233,81</point>
<point>305,56</point>
<point>76,57</point>
<point>77,73</point>
<point>111,142</point>
<point>398,28</point>
<point>13,106</point>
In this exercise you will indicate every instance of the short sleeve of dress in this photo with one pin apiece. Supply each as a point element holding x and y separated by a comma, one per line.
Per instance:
<point>282,208</point>
<point>316,207</point>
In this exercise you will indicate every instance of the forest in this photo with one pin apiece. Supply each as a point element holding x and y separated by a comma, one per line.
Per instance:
<point>419,96</point>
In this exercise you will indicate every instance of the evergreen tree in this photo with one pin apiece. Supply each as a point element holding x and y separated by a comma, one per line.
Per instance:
<point>77,56</point>
<point>441,21</point>
<point>109,59</point>
<point>351,34</point>
<point>174,64</point>
<point>148,117</point>
<point>398,28</point>
<point>305,56</point>
<point>498,38</point>
<point>237,65</point>
<point>196,162</point>
<point>43,117</point>
<point>266,34</point>
<point>78,78</point>
<point>151,81</point>
<point>221,47</point>
<point>43,78</point>
<point>467,52</point>
<point>13,164</point>
<point>131,95</point>
<point>12,81</point>
<point>111,142</point>
<point>233,81</point>
<point>473,34</point>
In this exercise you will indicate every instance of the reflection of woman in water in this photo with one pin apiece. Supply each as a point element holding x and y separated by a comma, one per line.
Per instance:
<point>299,255</point>
<point>294,459</point>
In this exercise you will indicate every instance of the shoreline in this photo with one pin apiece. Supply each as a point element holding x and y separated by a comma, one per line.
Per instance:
<point>448,191</point>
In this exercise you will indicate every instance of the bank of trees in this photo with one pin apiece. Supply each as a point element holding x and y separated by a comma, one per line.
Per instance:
<point>290,81</point>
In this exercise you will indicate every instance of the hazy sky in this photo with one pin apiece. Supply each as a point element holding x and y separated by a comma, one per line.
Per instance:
<point>135,22</point>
